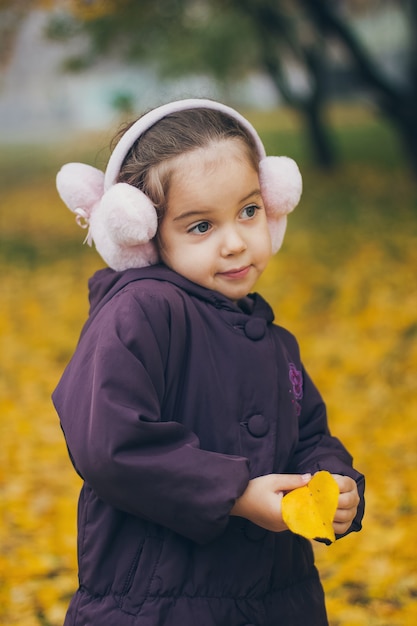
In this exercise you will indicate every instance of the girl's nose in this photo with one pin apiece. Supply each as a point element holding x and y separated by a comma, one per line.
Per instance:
<point>233,242</point>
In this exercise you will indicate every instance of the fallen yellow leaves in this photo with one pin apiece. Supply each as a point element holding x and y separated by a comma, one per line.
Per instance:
<point>309,511</point>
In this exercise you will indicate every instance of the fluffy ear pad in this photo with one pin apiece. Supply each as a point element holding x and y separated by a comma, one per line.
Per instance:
<point>122,221</point>
<point>281,187</point>
<point>277,227</point>
<point>127,215</point>
<point>122,226</point>
<point>80,186</point>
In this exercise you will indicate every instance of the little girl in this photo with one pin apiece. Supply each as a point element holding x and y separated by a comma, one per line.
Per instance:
<point>187,412</point>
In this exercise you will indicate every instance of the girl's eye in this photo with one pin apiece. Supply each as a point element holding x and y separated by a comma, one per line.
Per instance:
<point>201,228</point>
<point>249,211</point>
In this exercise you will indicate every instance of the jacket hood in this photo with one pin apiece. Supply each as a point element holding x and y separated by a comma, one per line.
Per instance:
<point>105,283</point>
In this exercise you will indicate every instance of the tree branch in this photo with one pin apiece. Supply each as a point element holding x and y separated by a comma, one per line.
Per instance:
<point>327,20</point>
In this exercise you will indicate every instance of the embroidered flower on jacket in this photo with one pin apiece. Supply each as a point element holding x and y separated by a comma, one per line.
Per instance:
<point>296,379</point>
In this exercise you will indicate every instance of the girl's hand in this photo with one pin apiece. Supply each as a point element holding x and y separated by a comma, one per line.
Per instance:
<point>261,501</point>
<point>347,505</point>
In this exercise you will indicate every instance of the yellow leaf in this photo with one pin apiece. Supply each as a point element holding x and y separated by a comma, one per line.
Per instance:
<point>309,510</point>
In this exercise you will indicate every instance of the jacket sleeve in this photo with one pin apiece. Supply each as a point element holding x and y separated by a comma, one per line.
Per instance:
<point>317,449</point>
<point>110,403</point>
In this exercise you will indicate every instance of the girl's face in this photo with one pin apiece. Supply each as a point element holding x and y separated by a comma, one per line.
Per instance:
<point>214,231</point>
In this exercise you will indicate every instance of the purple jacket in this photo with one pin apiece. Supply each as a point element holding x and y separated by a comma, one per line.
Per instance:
<point>174,399</point>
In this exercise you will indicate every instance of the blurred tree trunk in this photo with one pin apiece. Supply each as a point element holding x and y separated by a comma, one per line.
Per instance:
<point>406,117</point>
<point>313,108</point>
<point>274,31</point>
<point>398,102</point>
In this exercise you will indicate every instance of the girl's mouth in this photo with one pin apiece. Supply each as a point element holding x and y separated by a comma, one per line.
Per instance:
<point>236,274</point>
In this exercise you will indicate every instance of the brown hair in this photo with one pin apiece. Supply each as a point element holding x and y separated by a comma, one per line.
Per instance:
<point>149,163</point>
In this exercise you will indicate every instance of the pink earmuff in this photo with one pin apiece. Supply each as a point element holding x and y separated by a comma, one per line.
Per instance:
<point>121,219</point>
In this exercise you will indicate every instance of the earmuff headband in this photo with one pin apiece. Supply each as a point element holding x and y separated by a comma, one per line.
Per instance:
<point>150,119</point>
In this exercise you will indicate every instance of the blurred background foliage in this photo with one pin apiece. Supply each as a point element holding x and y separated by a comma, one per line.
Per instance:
<point>344,283</point>
<point>310,50</point>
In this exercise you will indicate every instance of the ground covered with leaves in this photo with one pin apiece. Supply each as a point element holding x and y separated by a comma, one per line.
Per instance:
<point>344,283</point>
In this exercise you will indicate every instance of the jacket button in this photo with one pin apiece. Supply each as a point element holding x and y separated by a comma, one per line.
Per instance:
<point>258,425</point>
<point>255,328</point>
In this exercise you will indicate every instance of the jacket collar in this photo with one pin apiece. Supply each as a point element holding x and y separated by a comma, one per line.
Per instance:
<point>105,283</point>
